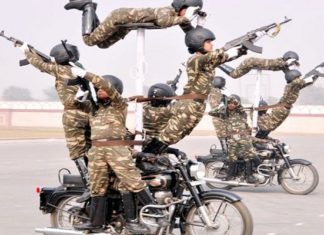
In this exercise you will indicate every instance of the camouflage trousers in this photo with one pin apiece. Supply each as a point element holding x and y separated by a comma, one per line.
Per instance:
<point>240,147</point>
<point>186,116</point>
<point>77,132</point>
<point>270,121</point>
<point>120,160</point>
<point>258,63</point>
<point>108,33</point>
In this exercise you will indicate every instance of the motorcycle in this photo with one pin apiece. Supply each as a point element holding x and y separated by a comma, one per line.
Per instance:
<point>296,176</point>
<point>178,192</point>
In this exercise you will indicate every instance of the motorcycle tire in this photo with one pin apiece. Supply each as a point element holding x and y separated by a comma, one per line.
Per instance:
<point>213,169</point>
<point>233,218</point>
<point>306,183</point>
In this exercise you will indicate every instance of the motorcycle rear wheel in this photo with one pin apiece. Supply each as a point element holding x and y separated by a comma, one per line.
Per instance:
<point>213,170</point>
<point>307,182</point>
<point>60,218</point>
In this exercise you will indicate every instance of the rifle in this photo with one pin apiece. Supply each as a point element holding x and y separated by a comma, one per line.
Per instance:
<point>16,41</point>
<point>314,72</point>
<point>82,82</point>
<point>249,38</point>
<point>173,83</point>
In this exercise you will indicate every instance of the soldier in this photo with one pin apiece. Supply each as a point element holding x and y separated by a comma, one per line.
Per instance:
<point>188,111</point>
<point>287,62</point>
<point>238,134</point>
<point>110,148</point>
<point>108,32</point>
<point>157,112</point>
<point>76,113</point>
<point>215,98</point>
<point>268,122</point>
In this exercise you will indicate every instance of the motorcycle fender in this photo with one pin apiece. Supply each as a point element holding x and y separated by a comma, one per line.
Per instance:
<point>210,157</point>
<point>293,161</point>
<point>221,194</point>
<point>49,202</point>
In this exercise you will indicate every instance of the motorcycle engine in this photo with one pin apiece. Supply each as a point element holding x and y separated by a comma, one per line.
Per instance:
<point>266,169</point>
<point>163,197</point>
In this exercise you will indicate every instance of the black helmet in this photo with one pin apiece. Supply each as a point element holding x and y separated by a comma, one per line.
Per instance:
<point>179,4</point>
<point>219,82</point>
<point>61,55</point>
<point>116,82</point>
<point>290,55</point>
<point>160,90</point>
<point>262,103</point>
<point>196,37</point>
<point>234,98</point>
<point>290,75</point>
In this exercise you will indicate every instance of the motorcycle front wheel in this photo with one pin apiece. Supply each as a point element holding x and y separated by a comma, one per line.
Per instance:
<point>306,182</point>
<point>68,213</point>
<point>230,218</point>
<point>215,169</point>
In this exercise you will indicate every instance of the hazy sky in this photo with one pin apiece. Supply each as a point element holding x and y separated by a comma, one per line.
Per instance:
<point>43,23</point>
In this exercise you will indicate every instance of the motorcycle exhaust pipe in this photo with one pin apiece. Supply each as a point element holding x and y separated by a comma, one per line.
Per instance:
<point>231,183</point>
<point>58,231</point>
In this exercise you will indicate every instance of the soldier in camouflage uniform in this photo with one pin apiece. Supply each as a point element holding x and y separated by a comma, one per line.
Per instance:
<point>188,111</point>
<point>284,63</point>
<point>111,149</point>
<point>268,122</point>
<point>215,99</point>
<point>76,113</point>
<point>238,134</point>
<point>110,31</point>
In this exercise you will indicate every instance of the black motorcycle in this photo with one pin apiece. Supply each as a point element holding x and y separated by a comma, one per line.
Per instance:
<point>178,191</point>
<point>296,176</point>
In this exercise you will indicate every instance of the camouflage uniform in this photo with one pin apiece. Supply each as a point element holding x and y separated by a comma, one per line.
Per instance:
<point>239,139</point>
<point>258,63</point>
<point>187,113</point>
<point>76,115</point>
<point>270,121</point>
<point>155,119</point>
<point>109,124</point>
<point>108,32</point>
<point>214,99</point>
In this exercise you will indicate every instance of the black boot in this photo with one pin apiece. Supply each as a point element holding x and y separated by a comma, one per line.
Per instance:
<point>231,172</point>
<point>226,69</point>
<point>155,146</point>
<point>81,164</point>
<point>97,215</point>
<point>89,19</point>
<point>249,172</point>
<point>77,4</point>
<point>132,224</point>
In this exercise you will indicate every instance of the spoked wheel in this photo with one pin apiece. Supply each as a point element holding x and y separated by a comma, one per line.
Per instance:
<point>306,182</point>
<point>229,218</point>
<point>69,214</point>
<point>215,169</point>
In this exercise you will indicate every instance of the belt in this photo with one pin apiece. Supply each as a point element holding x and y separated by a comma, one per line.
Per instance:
<point>107,143</point>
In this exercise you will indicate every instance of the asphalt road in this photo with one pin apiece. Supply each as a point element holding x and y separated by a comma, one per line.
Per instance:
<point>31,163</point>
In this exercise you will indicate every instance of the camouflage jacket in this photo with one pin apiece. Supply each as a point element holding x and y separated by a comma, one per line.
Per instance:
<point>109,122</point>
<point>163,17</point>
<point>201,71</point>
<point>235,121</point>
<point>61,73</point>
<point>215,97</point>
<point>155,119</point>
<point>291,92</point>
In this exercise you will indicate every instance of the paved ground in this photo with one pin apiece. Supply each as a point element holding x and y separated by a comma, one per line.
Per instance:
<point>28,164</point>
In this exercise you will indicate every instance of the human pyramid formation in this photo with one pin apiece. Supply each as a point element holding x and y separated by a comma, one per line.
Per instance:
<point>95,130</point>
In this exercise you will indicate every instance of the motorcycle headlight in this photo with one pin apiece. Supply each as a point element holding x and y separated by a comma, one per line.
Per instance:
<point>286,148</point>
<point>198,170</point>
